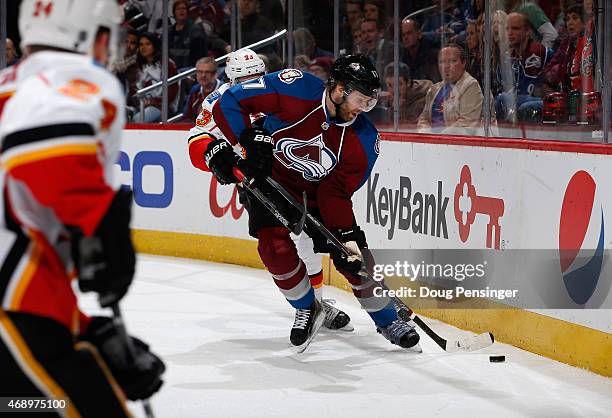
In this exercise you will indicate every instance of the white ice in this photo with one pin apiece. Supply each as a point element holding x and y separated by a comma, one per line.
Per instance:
<point>223,332</point>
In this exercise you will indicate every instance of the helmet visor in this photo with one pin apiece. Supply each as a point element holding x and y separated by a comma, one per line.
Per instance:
<point>361,101</point>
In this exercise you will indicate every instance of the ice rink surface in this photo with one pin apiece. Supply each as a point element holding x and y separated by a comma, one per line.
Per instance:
<point>223,332</point>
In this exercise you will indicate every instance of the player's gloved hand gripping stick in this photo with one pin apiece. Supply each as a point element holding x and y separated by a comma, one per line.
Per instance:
<point>466,344</point>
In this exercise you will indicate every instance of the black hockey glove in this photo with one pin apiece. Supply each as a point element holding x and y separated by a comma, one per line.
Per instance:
<point>105,261</point>
<point>221,159</point>
<point>259,148</point>
<point>139,376</point>
<point>354,239</point>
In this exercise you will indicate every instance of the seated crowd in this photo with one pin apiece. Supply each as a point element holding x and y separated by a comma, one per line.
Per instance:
<point>543,57</point>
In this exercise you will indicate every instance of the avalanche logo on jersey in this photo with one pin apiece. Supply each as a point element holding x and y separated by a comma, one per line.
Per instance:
<point>581,238</point>
<point>289,76</point>
<point>311,158</point>
<point>533,61</point>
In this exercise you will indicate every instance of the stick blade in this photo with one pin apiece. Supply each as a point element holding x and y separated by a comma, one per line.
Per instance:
<point>473,343</point>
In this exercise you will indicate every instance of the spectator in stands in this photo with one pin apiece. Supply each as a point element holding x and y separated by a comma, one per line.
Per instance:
<point>589,54</point>
<point>412,93</point>
<point>305,44</point>
<point>301,62</point>
<point>527,59</point>
<point>11,53</point>
<point>253,25</point>
<point>148,72</point>
<point>378,49</point>
<point>590,9</point>
<point>210,14</point>
<point>375,10</point>
<point>563,73</point>
<point>545,32</point>
<point>357,39</point>
<point>502,78</point>
<point>153,12</point>
<point>419,54</point>
<point>273,10</point>
<point>187,41</point>
<point>439,26</point>
<point>126,64</point>
<point>454,105</point>
<point>350,24</point>
<point>474,58</point>
<point>320,67</point>
<point>206,75</point>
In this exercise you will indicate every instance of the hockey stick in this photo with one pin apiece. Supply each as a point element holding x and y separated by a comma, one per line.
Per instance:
<point>471,343</point>
<point>120,325</point>
<point>248,185</point>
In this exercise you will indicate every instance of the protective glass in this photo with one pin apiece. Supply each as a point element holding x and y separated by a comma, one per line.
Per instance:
<point>361,101</point>
<point>117,44</point>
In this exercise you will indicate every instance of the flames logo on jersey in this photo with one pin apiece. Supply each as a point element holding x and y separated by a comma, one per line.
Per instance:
<point>204,118</point>
<point>311,158</point>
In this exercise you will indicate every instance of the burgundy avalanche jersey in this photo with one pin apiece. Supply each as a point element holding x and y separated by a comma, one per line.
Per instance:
<point>328,159</point>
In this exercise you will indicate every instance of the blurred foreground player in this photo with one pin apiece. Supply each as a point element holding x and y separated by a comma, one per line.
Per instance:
<point>320,143</point>
<point>241,66</point>
<point>60,216</point>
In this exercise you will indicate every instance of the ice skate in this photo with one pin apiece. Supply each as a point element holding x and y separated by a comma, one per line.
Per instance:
<point>401,333</point>
<point>306,325</point>
<point>335,319</point>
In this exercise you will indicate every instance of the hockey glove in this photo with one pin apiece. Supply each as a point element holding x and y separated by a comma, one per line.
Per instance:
<point>353,239</point>
<point>105,261</point>
<point>140,375</point>
<point>259,149</point>
<point>221,159</point>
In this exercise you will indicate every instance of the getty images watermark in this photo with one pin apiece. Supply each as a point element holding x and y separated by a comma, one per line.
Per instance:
<point>446,280</point>
<point>488,278</point>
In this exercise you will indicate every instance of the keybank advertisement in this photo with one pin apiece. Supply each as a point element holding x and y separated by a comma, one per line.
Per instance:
<point>436,196</point>
<point>170,194</point>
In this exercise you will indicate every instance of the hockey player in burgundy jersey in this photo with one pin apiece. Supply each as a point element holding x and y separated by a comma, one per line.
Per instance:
<point>241,66</point>
<point>61,216</point>
<point>314,140</point>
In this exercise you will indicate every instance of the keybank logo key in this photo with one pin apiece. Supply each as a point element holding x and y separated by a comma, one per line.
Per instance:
<point>422,213</point>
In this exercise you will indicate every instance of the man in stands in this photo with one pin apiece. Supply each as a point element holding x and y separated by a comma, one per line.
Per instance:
<point>418,53</point>
<point>527,59</point>
<point>206,75</point>
<point>454,105</point>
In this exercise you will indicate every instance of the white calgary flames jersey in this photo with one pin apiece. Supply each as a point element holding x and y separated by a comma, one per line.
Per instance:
<point>205,122</point>
<point>59,140</point>
<point>206,130</point>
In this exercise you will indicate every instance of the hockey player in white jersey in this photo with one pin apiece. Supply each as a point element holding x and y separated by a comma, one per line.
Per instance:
<point>61,216</point>
<point>242,66</point>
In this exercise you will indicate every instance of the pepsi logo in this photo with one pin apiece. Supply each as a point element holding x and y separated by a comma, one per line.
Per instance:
<point>581,237</point>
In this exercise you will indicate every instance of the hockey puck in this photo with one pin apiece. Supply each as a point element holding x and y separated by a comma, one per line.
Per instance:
<point>497,359</point>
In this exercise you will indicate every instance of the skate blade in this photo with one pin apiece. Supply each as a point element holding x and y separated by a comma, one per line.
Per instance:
<point>416,349</point>
<point>347,328</point>
<point>318,323</point>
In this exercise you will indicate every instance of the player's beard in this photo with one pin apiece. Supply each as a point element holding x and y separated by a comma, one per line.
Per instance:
<point>344,114</point>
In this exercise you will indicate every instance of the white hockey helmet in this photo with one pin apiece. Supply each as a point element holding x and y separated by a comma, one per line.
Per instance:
<point>243,62</point>
<point>69,24</point>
